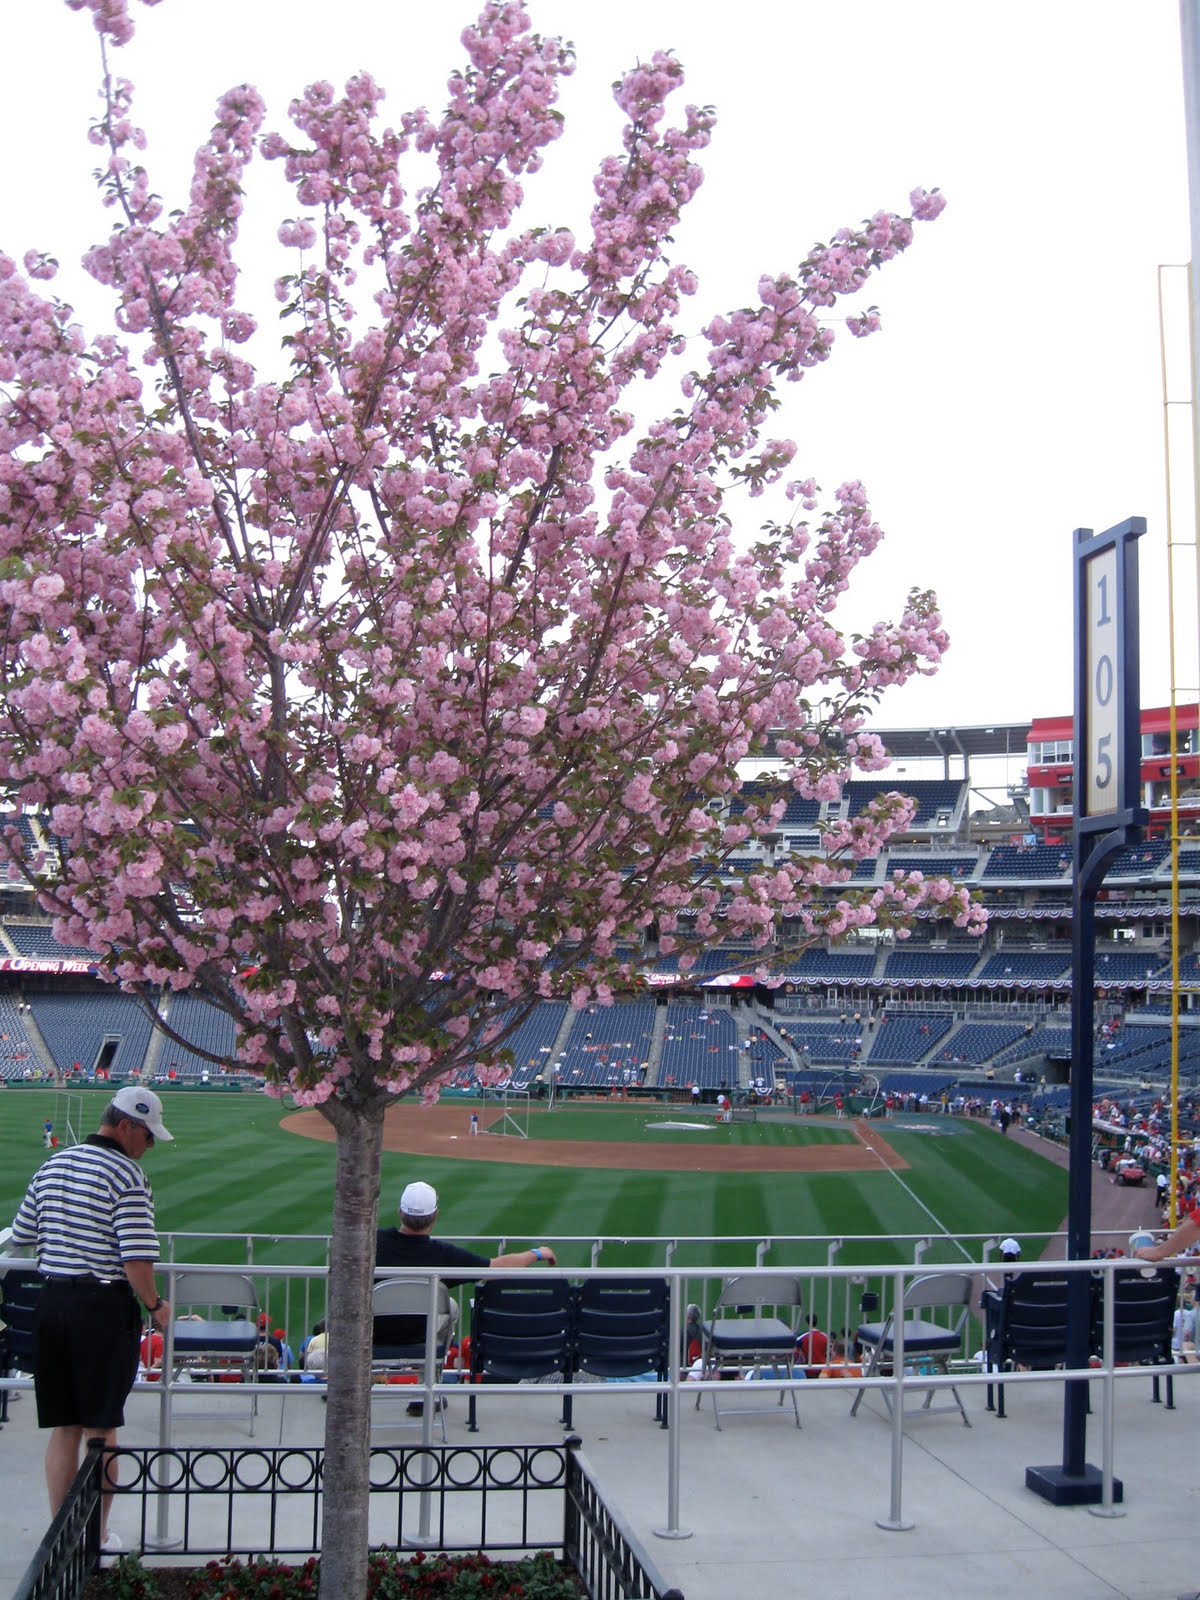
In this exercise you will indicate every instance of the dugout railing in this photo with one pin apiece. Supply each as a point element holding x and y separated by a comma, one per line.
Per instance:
<point>901,1384</point>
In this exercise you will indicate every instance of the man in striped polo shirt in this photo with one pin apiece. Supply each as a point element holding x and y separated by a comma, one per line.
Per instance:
<point>89,1214</point>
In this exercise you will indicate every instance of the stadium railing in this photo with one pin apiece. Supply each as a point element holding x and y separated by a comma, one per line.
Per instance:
<point>836,1284</point>
<point>507,1485</point>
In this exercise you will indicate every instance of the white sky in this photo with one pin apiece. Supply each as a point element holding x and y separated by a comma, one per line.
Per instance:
<point>1014,392</point>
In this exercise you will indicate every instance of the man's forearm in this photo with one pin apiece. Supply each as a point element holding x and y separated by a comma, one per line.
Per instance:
<point>143,1283</point>
<point>1183,1237</point>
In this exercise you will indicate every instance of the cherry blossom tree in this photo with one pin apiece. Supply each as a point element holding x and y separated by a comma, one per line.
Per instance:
<point>382,694</point>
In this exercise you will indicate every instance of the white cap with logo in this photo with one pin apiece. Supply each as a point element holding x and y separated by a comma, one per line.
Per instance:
<point>143,1105</point>
<point>418,1200</point>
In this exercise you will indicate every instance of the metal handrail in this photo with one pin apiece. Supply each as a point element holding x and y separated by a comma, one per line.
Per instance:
<point>677,1386</point>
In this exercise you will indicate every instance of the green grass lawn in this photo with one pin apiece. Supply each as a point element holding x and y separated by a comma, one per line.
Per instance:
<point>233,1170</point>
<point>673,1125</point>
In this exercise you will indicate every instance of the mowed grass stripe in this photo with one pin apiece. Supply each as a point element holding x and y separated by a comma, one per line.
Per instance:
<point>233,1169</point>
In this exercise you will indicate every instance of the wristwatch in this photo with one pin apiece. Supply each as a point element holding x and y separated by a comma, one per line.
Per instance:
<point>152,1309</point>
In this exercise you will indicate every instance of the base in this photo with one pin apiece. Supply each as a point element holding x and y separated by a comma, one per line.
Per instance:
<point>672,1533</point>
<point>1071,1489</point>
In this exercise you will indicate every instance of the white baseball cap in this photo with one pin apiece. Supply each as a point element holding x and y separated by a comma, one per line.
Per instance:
<point>1009,1247</point>
<point>418,1200</point>
<point>142,1105</point>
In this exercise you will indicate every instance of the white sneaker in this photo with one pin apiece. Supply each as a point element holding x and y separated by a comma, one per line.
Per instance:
<point>111,1544</point>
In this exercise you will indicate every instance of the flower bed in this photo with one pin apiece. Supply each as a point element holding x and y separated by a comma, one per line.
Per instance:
<point>389,1577</point>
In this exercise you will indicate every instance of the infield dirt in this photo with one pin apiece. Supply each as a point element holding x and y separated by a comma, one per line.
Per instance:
<point>442,1131</point>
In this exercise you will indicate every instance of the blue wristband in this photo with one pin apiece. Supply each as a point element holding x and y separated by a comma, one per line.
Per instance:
<point>537,1254</point>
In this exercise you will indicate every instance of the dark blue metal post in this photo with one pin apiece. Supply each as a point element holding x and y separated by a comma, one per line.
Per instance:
<point>1107,819</point>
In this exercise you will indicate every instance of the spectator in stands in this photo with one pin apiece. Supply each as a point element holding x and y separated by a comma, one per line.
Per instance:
<point>1182,1239</point>
<point>89,1214</point>
<point>412,1245</point>
<point>314,1349</point>
<point>812,1349</point>
<point>838,1364</point>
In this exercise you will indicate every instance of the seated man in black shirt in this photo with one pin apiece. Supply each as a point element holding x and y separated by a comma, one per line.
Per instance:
<point>412,1245</point>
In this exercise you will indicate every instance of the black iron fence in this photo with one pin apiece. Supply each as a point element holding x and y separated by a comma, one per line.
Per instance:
<point>199,1502</point>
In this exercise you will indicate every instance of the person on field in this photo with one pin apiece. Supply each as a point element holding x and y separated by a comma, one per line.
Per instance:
<point>412,1245</point>
<point>88,1214</point>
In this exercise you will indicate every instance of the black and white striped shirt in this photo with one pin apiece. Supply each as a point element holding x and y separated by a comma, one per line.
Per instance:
<point>88,1210</point>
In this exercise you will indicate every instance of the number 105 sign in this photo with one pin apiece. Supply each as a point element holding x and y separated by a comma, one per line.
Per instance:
<point>1107,722</point>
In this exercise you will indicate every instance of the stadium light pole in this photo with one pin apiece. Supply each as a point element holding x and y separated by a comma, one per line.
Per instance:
<point>1107,820</point>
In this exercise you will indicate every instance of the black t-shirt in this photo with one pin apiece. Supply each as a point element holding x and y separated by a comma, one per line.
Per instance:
<point>396,1249</point>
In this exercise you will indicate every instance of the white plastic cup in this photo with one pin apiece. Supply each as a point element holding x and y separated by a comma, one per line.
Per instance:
<point>1140,1241</point>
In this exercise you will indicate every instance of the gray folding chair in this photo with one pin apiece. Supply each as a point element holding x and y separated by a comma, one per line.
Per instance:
<point>747,1332</point>
<point>399,1335</point>
<point>927,1343</point>
<point>222,1340</point>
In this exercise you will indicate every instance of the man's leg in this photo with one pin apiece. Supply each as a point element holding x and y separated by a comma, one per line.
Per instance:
<point>62,1463</point>
<point>109,1438</point>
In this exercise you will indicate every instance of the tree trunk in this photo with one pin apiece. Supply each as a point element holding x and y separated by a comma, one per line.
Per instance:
<point>345,1495</point>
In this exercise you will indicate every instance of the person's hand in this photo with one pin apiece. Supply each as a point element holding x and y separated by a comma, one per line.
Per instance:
<point>549,1259</point>
<point>161,1315</point>
<point>1149,1252</point>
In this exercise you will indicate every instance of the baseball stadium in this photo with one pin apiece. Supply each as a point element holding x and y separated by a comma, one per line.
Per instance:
<point>889,1115</point>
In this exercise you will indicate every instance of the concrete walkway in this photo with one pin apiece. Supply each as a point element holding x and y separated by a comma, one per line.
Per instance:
<point>773,1510</point>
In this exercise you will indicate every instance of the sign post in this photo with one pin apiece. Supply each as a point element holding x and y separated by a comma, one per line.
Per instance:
<point>1108,819</point>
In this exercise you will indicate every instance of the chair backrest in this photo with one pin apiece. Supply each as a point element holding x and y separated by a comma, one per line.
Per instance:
<point>1143,1315</point>
<point>400,1312</point>
<point>1031,1329</point>
<point>226,1291</point>
<point>19,1291</point>
<point>522,1329</point>
<point>754,1290</point>
<point>622,1326</point>
<point>935,1289</point>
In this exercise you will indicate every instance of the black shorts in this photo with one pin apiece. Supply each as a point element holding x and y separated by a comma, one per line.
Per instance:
<point>85,1346</point>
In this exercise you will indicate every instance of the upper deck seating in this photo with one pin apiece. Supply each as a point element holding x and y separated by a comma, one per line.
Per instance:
<point>1140,861</point>
<point>1038,966</point>
<point>733,958</point>
<point>932,795</point>
<point>918,965</point>
<point>1126,966</point>
<point>1028,861</point>
<point>830,966</point>
<point>32,939</point>
<point>934,866</point>
<point>801,813</point>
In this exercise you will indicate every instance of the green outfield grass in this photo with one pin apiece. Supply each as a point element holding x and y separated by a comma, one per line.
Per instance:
<point>232,1169</point>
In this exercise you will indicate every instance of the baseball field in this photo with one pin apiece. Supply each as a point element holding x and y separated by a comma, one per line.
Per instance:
<point>242,1163</point>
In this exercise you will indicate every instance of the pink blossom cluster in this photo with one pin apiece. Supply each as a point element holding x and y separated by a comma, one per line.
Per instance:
<point>385,694</point>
